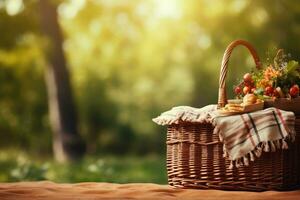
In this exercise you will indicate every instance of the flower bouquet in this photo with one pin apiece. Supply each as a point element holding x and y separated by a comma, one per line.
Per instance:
<point>276,83</point>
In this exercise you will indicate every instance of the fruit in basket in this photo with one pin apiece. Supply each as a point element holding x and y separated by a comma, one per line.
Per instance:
<point>294,91</point>
<point>237,90</point>
<point>269,91</point>
<point>280,79</point>
<point>247,78</point>
<point>249,84</point>
<point>246,89</point>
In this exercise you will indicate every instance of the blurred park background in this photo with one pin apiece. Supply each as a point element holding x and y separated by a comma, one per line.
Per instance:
<point>80,80</point>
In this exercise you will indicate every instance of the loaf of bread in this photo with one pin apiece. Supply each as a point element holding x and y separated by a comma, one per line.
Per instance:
<point>249,99</point>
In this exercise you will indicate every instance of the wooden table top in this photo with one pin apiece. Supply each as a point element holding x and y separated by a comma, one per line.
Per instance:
<point>50,190</point>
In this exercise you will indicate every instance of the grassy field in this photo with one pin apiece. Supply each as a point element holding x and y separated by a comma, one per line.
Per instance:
<point>21,167</point>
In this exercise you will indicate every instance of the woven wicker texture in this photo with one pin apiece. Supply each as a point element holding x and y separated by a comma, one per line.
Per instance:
<point>195,160</point>
<point>195,154</point>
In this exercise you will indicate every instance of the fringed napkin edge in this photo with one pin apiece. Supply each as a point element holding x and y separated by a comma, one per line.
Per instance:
<point>256,152</point>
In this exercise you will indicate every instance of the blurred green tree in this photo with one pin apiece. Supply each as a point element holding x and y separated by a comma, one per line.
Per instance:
<point>67,143</point>
<point>129,61</point>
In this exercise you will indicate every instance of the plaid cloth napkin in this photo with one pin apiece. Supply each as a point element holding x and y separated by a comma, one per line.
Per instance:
<point>246,136</point>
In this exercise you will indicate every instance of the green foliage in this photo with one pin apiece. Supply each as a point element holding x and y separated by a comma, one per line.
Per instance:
<point>292,68</point>
<point>290,76</point>
<point>130,61</point>
<point>22,167</point>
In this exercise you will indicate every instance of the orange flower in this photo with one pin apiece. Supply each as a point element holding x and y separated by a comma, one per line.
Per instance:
<point>264,83</point>
<point>271,73</point>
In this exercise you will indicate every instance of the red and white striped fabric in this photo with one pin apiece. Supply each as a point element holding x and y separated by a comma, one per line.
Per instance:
<point>246,136</point>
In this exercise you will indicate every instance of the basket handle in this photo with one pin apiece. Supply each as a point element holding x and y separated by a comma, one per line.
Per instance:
<point>222,100</point>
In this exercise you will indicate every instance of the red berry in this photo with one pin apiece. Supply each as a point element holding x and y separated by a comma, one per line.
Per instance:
<point>246,90</point>
<point>247,77</point>
<point>269,90</point>
<point>294,90</point>
<point>237,90</point>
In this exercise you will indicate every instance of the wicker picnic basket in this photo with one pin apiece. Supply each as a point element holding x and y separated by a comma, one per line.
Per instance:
<point>195,154</point>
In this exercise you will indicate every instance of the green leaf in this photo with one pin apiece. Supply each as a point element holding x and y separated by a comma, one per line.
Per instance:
<point>259,91</point>
<point>292,66</point>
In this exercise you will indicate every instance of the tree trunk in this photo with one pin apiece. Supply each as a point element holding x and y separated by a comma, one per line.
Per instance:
<point>67,144</point>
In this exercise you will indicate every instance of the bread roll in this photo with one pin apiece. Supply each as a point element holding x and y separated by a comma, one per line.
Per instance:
<point>249,99</point>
